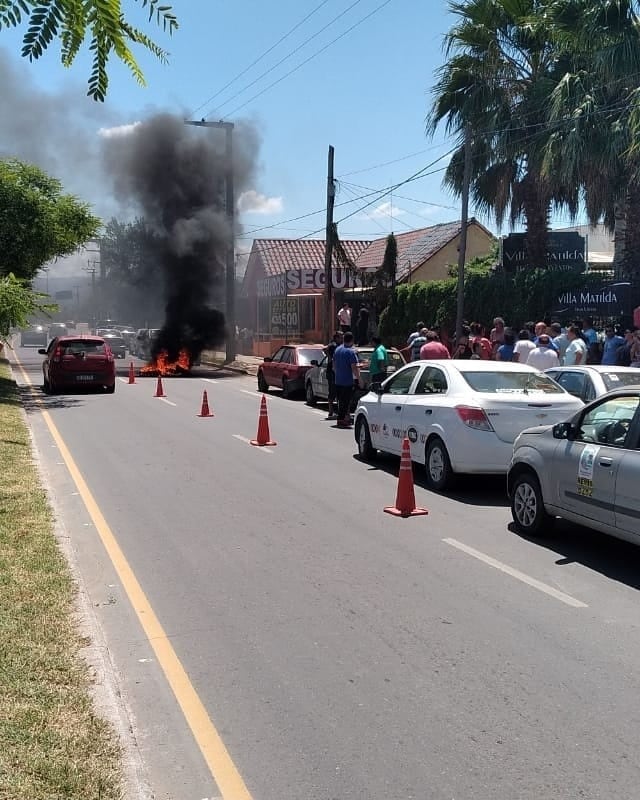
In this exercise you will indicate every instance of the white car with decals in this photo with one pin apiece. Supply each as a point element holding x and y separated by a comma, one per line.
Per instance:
<point>460,416</point>
<point>593,380</point>
<point>586,470</point>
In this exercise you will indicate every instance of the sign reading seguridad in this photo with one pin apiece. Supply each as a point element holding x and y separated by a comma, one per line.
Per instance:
<point>309,279</point>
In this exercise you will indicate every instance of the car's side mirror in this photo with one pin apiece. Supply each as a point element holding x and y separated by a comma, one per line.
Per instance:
<point>563,430</point>
<point>267,359</point>
<point>42,351</point>
<point>314,362</point>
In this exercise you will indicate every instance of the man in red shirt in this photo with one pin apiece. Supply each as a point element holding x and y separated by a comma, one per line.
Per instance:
<point>433,348</point>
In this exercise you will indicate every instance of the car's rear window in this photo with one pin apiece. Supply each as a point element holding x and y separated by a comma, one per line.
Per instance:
<point>511,382</point>
<point>115,341</point>
<point>616,380</point>
<point>88,347</point>
<point>305,357</point>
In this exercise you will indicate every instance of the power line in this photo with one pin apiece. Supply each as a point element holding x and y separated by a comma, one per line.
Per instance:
<point>312,56</point>
<point>261,56</point>
<point>291,53</point>
<point>401,196</point>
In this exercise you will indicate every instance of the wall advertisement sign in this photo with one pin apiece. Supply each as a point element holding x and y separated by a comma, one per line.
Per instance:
<point>285,317</point>
<point>310,279</point>
<point>565,251</point>
<point>609,300</point>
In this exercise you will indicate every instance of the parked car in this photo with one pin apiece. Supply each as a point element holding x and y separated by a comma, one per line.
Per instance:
<point>316,386</point>
<point>34,336</point>
<point>287,367</point>
<point>585,470</point>
<point>593,380</point>
<point>459,416</point>
<point>78,361</point>
<point>117,344</point>
<point>144,342</point>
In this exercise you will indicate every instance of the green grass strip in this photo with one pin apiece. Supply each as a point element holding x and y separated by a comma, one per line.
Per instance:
<point>52,745</point>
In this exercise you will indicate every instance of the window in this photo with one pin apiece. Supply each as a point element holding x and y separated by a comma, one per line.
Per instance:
<point>618,380</point>
<point>432,381</point>
<point>609,422</point>
<point>305,357</point>
<point>572,382</point>
<point>288,356</point>
<point>83,347</point>
<point>510,382</point>
<point>278,354</point>
<point>401,383</point>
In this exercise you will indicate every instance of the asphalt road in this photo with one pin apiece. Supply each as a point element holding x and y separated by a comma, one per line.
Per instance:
<point>342,653</point>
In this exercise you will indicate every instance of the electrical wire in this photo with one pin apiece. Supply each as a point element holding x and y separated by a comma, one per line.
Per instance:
<point>261,56</point>
<point>291,53</point>
<point>311,57</point>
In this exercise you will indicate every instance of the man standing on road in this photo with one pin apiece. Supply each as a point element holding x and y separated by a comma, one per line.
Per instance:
<point>612,343</point>
<point>377,363</point>
<point>344,317</point>
<point>329,350</point>
<point>433,348</point>
<point>543,356</point>
<point>347,371</point>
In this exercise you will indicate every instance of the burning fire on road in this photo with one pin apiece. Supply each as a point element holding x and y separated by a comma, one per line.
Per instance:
<point>161,365</point>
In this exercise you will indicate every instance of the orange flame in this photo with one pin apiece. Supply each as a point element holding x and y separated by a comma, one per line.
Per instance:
<point>162,366</point>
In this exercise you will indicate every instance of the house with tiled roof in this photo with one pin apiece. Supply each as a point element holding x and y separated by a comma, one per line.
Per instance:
<point>284,282</point>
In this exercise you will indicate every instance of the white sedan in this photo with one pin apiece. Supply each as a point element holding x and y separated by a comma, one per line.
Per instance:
<point>589,381</point>
<point>459,416</point>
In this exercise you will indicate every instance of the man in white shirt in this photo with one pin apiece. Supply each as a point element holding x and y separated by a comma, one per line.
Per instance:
<point>522,347</point>
<point>543,356</point>
<point>576,352</point>
<point>344,317</point>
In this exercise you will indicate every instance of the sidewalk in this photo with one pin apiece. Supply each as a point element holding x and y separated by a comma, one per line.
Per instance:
<point>244,364</point>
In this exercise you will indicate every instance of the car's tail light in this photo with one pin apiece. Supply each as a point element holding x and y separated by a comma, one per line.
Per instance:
<point>108,353</point>
<point>474,417</point>
<point>57,354</point>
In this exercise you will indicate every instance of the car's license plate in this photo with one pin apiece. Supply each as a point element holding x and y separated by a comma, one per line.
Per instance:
<point>84,377</point>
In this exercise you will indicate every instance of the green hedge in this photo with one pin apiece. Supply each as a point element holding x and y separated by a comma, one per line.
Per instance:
<point>518,298</point>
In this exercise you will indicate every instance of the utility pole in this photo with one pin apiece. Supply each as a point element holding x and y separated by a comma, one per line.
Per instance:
<point>230,260</point>
<point>92,269</point>
<point>328,247</point>
<point>464,222</point>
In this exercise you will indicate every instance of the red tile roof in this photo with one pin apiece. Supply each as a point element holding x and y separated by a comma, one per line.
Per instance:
<point>279,255</point>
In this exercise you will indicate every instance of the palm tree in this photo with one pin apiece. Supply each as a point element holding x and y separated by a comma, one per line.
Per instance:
<point>502,67</point>
<point>595,144</point>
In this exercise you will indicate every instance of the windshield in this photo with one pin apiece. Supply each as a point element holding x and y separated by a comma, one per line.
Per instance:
<point>511,382</point>
<point>393,359</point>
<point>305,357</point>
<point>616,380</point>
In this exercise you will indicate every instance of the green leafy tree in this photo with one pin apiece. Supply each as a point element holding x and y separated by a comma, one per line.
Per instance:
<point>72,22</point>
<point>502,66</point>
<point>38,222</point>
<point>389,268</point>
<point>18,303</point>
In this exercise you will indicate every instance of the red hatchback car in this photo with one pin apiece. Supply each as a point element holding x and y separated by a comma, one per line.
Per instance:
<point>78,361</point>
<point>287,367</point>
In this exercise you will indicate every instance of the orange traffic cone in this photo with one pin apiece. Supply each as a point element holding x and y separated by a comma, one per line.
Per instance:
<point>159,389</point>
<point>405,497</point>
<point>204,411</point>
<point>132,374</point>
<point>263,437</point>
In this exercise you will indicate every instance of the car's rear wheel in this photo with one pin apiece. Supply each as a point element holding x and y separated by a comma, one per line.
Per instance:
<point>366,450</point>
<point>263,386</point>
<point>46,388</point>
<point>309,395</point>
<point>286,389</point>
<point>110,389</point>
<point>527,505</point>
<point>438,470</point>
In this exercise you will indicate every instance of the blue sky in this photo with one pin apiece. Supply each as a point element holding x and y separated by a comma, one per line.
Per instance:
<point>367,94</point>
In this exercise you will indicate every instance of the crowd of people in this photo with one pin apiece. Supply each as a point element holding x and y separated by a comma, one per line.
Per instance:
<point>542,344</point>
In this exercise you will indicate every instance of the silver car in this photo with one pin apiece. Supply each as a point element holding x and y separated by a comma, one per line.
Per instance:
<point>316,386</point>
<point>593,380</point>
<point>586,470</point>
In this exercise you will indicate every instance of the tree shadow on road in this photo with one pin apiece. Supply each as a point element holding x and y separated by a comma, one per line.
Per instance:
<point>35,400</point>
<point>597,551</point>
<point>474,490</point>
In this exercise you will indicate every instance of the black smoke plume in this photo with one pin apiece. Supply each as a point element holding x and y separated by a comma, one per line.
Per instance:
<point>175,174</point>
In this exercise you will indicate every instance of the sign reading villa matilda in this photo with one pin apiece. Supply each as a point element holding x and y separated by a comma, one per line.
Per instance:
<point>565,251</point>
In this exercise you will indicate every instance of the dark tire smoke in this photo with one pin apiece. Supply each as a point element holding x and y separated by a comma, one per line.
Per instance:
<point>176,174</point>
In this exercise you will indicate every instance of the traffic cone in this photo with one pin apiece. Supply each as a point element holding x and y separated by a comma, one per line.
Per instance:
<point>405,497</point>
<point>132,374</point>
<point>204,411</point>
<point>159,389</point>
<point>263,437</point>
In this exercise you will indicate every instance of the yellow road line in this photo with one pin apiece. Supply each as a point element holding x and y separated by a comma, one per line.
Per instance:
<point>216,755</point>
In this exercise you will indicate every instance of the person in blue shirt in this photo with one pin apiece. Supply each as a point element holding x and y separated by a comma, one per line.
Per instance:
<point>346,367</point>
<point>612,343</point>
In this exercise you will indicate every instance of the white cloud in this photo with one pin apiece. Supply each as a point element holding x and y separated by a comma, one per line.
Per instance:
<point>252,202</point>
<point>118,130</point>
<point>385,211</point>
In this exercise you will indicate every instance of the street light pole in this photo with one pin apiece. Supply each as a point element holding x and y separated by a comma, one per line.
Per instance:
<point>230,261</point>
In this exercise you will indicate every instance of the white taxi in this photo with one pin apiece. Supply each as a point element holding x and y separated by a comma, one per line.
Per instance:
<point>459,416</point>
